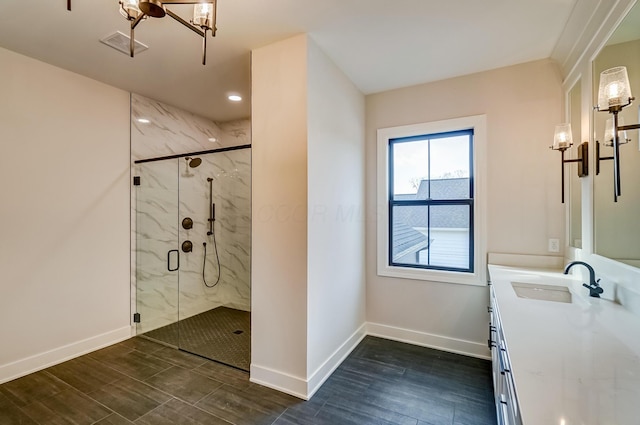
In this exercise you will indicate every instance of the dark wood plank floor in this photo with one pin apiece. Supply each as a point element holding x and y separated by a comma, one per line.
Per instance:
<point>141,382</point>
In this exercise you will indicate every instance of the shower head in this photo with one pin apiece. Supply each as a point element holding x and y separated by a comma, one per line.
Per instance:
<point>193,162</point>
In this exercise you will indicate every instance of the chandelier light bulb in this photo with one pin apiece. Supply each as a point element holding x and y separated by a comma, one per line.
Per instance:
<point>129,9</point>
<point>203,15</point>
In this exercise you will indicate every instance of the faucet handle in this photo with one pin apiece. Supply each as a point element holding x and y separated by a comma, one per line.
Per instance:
<point>598,282</point>
<point>595,290</point>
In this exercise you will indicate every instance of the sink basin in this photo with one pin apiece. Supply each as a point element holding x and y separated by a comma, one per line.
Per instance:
<point>536,291</point>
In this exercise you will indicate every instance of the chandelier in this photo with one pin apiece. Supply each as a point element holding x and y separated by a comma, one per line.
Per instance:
<point>204,16</point>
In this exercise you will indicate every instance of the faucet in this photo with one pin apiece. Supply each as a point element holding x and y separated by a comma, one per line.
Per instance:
<point>594,288</point>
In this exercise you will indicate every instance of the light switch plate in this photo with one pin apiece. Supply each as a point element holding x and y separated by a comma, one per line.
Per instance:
<point>554,245</point>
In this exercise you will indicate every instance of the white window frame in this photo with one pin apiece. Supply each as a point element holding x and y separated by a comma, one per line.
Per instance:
<point>479,125</point>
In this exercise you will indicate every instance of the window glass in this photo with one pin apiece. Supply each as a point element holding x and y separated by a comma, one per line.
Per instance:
<point>411,167</point>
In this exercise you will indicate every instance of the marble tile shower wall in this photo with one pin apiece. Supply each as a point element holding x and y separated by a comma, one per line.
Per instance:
<point>231,193</point>
<point>173,131</point>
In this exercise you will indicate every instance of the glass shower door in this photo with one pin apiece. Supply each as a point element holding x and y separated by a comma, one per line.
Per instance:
<point>215,282</point>
<point>157,255</point>
<point>193,244</point>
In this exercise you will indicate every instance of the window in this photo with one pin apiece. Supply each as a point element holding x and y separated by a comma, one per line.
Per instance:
<point>431,216</point>
<point>431,201</point>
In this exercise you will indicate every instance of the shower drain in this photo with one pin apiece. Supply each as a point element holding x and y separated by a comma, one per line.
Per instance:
<point>238,332</point>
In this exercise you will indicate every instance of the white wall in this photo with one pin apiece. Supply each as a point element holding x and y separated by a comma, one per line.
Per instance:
<point>336,271</point>
<point>523,105</point>
<point>308,229</point>
<point>64,215</point>
<point>279,214</point>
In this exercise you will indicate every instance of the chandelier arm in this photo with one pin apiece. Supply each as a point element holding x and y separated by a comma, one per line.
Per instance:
<point>183,1</point>
<point>132,40</point>
<point>185,23</point>
<point>204,48</point>
<point>135,22</point>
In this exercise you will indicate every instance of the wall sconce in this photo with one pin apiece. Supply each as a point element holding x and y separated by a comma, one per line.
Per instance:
<point>614,93</point>
<point>563,140</point>
<point>608,140</point>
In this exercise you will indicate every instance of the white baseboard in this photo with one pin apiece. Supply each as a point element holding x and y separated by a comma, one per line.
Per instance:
<point>301,387</point>
<point>439,342</point>
<point>277,380</point>
<point>326,369</point>
<point>52,357</point>
<point>305,388</point>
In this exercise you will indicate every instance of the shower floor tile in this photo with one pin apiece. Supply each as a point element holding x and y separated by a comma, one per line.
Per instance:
<point>222,334</point>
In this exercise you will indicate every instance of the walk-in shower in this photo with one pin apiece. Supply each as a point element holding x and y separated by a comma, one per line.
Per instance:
<point>193,216</point>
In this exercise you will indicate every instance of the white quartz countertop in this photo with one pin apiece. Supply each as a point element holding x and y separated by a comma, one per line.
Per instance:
<point>573,364</point>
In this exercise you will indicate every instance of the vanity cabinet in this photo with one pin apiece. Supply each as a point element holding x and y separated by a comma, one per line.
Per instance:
<point>503,385</point>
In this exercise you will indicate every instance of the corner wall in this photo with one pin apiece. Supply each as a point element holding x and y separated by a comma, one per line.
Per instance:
<point>279,216</point>
<point>336,189</point>
<point>308,290</point>
<point>64,216</point>
<point>523,105</point>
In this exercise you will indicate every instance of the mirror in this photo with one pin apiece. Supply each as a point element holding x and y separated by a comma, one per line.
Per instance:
<point>574,114</point>
<point>616,224</point>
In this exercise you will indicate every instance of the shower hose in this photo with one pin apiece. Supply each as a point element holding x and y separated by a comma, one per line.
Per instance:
<point>204,262</point>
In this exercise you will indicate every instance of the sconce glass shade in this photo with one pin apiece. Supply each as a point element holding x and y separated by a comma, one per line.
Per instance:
<point>129,9</point>
<point>614,90</point>
<point>562,138</point>
<point>608,132</point>
<point>203,15</point>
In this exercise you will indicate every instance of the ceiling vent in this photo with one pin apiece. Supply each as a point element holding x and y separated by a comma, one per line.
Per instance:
<point>120,42</point>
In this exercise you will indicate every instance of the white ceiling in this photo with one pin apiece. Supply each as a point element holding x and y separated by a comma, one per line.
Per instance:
<point>380,45</point>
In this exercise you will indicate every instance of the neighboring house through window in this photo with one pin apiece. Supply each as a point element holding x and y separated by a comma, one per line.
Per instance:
<point>429,199</point>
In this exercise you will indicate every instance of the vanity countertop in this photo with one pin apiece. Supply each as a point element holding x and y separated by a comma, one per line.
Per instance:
<point>573,364</point>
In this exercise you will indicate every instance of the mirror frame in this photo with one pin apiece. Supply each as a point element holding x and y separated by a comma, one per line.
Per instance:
<point>588,29</point>
<point>621,212</point>
<point>574,182</point>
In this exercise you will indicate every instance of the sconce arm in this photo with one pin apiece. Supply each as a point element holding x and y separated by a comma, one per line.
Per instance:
<point>629,127</point>
<point>582,160</point>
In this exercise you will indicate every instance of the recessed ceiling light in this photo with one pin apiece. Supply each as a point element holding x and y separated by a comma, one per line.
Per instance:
<point>213,140</point>
<point>144,120</point>
<point>234,98</point>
